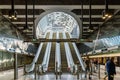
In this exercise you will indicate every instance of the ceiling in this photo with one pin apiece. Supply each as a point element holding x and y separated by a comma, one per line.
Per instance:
<point>74,6</point>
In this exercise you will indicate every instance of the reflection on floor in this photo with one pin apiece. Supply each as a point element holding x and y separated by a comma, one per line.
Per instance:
<point>9,75</point>
<point>50,76</point>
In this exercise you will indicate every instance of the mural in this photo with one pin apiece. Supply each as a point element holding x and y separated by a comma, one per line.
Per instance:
<point>15,45</point>
<point>11,40</point>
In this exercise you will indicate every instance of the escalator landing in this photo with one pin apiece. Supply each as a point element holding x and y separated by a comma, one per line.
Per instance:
<point>51,76</point>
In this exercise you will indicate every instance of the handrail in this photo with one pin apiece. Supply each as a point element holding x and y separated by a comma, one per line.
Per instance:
<point>47,55</point>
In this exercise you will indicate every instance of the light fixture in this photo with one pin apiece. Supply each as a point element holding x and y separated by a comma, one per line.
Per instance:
<point>26,28</point>
<point>103,15</point>
<point>109,16</point>
<point>106,13</point>
<point>90,30</point>
<point>12,13</point>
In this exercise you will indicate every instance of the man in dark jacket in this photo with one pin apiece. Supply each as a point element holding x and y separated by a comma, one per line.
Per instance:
<point>110,67</point>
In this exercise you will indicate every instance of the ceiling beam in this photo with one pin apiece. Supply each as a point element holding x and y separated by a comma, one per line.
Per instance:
<point>32,22</point>
<point>70,7</point>
<point>27,32</point>
<point>84,16</point>
<point>22,22</point>
<point>92,16</point>
<point>83,22</point>
<point>21,27</point>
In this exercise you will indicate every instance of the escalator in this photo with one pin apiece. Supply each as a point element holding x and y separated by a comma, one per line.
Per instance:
<point>51,65</point>
<point>41,56</point>
<point>63,55</point>
<point>30,67</point>
<point>73,53</point>
<point>50,59</point>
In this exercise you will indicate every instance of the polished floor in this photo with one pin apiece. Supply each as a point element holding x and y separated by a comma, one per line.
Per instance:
<point>9,75</point>
<point>51,76</point>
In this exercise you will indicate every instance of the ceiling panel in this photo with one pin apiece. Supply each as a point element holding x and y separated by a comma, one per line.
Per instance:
<point>75,6</point>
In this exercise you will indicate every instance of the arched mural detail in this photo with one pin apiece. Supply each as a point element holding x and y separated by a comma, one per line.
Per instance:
<point>43,24</point>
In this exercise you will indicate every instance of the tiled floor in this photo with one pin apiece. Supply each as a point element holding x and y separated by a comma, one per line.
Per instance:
<point>9,75</point>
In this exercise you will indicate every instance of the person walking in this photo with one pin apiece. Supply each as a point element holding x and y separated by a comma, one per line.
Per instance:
<point>88,67</point>
<point>106,75</point>
<point>110,67</point>
<point>96,64</point>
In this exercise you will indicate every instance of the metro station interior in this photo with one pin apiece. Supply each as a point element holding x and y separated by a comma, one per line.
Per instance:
<point>52,39</point>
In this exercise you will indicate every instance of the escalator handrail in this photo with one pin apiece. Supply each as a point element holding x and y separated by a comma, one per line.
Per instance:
<point>47,54</point>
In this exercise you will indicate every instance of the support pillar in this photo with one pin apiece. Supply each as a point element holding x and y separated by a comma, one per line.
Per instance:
<point>35,71</point>
<point>2,61</point>
<point>24,69</point>
<point>99,71</point>
<point>77,72</point>
<point>15,67</point>
<point>77,75</point>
